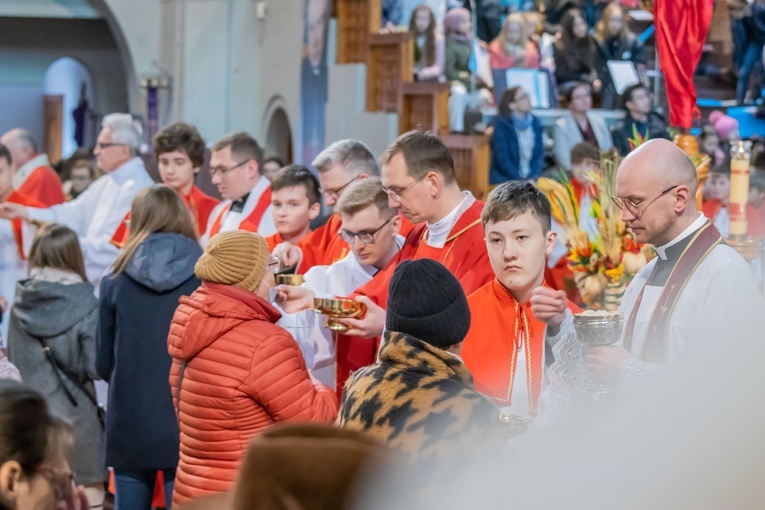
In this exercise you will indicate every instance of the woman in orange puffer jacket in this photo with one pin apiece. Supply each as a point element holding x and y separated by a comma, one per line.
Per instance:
<point>235,372</point>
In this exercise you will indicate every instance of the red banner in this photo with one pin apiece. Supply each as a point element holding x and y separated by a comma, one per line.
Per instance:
<point>681,30</point>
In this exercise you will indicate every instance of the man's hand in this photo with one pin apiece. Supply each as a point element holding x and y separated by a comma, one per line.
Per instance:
<point>10,211</point>
<point>602,362</point>
<point>288,254</point>
<point>549,306</point>
<point>3,304</point>
<point>371,325</point>
<point>294,299</point>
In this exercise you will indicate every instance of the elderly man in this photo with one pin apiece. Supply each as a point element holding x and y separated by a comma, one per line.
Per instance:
<point>33,175</point>
<point>698,293</point>
<point>99,212</point>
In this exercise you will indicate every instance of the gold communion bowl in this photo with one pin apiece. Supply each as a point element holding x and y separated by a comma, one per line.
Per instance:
<point>295,280</point>
<point>598,328</point>
<point>338,309</point>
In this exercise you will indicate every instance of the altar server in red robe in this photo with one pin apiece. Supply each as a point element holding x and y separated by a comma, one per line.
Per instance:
<point>180,152</point>
<point>512,315</point>
<point>296,201</point>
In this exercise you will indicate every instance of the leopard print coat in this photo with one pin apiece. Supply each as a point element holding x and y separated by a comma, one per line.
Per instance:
<point>420,399</point>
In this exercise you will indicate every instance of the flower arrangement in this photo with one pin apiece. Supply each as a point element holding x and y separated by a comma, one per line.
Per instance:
<point>604,264</point>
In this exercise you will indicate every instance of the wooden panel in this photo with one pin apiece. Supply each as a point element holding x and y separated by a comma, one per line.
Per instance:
<point>471,162</point>
<point>53,123</point>
<point>390,64</point>
<point>356,20</point>
<point>424,107</point>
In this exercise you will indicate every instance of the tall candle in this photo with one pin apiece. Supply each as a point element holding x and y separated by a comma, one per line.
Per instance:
<point>740,152</point>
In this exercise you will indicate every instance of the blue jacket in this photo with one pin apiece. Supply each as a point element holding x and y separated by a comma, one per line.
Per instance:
<point>135,311</point>
<point>506,156</point>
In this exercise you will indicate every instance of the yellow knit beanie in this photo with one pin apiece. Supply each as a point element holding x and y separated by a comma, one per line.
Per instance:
<point>236,257</point>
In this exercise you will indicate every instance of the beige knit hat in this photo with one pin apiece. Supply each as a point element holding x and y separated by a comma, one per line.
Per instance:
<point>236,257</point>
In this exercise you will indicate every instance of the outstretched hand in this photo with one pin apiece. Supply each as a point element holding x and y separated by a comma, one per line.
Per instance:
<point>11,211</point>
<point>294,299</point>
<point>371,325</point>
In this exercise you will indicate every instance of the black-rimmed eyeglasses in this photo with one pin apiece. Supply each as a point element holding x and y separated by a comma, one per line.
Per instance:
<point>364,237</point>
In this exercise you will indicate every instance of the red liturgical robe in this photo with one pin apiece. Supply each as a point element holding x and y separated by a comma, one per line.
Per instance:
<point>324,247</point>
<point>17,197</point>
<point>44,186</point>
<point>273,241</point>
<point>200,205</point>
<point>464,254</point>
<point>499,328</point>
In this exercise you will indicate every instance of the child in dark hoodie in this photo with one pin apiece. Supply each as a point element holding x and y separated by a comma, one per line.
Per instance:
<point>137,303</point>
<point>52,341</point>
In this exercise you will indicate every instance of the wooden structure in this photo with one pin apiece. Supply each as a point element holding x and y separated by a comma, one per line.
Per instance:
<point>471,156</point>
<point>390,64</point>
<point>424,107</point>
<point>356,21</point>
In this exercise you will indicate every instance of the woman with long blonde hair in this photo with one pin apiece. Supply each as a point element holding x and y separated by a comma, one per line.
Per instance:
<point>513,46</point>
<point>137,302</point>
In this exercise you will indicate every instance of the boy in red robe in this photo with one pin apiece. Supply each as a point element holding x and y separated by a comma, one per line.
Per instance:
<point>512,315</point>
<point>180,152</point>
<point>295,201</point>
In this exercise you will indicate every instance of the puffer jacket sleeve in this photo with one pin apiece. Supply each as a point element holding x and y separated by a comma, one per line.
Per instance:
<point>280,383</point>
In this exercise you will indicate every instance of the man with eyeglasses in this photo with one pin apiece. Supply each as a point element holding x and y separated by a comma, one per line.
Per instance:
<point>99,213</point>
<point>33,176</point>
<point>697,298</point>
<point>371,229</point>
<point>418,176</point>
<point>235,166</point>
<point>339,165</point>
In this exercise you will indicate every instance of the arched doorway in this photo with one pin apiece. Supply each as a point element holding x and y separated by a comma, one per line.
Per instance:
<point>279,136</point>
<point>69,80</point>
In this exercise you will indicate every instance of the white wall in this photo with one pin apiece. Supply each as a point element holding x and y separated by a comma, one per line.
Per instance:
<point>230,70</point>
<point>22,106</point>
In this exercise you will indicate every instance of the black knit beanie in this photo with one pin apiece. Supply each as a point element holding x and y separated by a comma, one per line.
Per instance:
<point>427,302</point>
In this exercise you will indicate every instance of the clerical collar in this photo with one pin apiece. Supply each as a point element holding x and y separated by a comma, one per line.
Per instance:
<point>438,232</point>
<point>238,205</point>
<point>671,249</point>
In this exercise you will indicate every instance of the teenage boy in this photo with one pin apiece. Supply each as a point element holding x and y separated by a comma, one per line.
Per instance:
<point>180,152</point>
<point>511,315</point>
<point>295,201</point>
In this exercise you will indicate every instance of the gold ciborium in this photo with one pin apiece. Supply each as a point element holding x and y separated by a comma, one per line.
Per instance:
<point>295,280</point>
<point>338,309</point>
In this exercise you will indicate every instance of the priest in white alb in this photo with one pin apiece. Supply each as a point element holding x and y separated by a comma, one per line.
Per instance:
<point>697,296</point>
<point>98,213</point>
